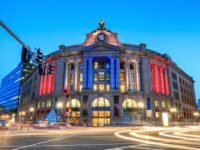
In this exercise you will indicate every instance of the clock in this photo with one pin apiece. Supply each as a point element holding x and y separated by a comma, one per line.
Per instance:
<point>101,37</point>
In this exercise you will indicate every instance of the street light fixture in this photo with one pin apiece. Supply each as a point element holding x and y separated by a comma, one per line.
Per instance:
<point>31,109</point>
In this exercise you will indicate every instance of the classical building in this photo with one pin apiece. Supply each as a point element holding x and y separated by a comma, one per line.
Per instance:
<point>104,81</point>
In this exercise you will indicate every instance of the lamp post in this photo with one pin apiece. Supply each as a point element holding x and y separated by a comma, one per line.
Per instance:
<point>59,105</point>
<point>140,107</point>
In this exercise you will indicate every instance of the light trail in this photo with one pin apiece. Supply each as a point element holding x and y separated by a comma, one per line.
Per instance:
<point>177,142</point>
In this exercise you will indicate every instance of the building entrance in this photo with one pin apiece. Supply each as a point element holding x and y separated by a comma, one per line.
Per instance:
<point>100,112</point>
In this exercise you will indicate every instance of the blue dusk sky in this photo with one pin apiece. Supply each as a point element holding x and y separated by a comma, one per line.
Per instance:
<point>166,26</point>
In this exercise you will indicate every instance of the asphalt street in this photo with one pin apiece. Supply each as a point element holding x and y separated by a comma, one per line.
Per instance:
<point>102,138</point>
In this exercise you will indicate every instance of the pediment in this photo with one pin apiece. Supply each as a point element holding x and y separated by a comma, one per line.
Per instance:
<point>99,46</point>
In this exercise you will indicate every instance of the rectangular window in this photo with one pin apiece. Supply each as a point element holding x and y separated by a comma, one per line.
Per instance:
<point>101,65</point>
<point>96,65</point>
<point>43,104</point>
<point>38,106</point>
<point>81,66</point>
<point>101,87</point>
<point>80,87</point>
<point>101,76</point>
<point>72,67</point>
<point>95,87</point>
<point>107,65</point>
<point>107,87</point>
<point>132,87</point>
<point>163,104</point>
<point>156,103</point>
<point>71,78</point>
<point>131,66</point>
<point>122,88</point>
<point>122,65</point>
<point>132,77</point>
<point>95,77</point>
<point>107,76</point>
<point>49,103</point>
<point>81,76</point>
<point>122,76</point>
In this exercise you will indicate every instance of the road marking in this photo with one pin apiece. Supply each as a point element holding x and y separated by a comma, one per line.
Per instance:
<point>43,142</point>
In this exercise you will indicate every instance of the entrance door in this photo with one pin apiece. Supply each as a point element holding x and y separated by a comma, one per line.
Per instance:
<point>100,112</point>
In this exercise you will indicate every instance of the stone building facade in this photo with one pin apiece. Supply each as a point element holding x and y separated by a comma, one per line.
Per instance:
<point>104,81</point>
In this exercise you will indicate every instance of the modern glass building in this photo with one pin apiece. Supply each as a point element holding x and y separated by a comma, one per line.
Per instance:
<point>10,89</point>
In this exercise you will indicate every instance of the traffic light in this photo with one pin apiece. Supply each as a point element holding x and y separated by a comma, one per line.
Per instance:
<point>41,69</point>
<point>50,69</point>
<point>26,55</point>
<point>39,58</point>
<point>66,93</point>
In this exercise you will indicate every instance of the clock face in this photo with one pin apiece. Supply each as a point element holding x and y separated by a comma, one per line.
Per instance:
<point>101,37</point>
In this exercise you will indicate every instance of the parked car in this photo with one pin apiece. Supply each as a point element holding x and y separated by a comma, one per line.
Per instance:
<point>40,124</point>
<point>4,124</point>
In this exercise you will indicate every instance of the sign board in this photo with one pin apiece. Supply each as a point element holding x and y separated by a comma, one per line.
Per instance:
<point>148,103</point>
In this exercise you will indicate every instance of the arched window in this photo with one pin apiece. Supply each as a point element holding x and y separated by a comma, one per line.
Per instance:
<point>73,103</point>
<point>100,102</point>
<point>129,103</point>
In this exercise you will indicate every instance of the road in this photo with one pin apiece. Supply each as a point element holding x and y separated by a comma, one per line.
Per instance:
<point>108,138</point>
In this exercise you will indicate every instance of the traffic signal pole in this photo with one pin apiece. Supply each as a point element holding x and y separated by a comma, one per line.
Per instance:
<point>14,35</point>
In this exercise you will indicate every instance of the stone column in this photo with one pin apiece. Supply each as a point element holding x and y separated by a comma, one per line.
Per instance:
<point>85,74</point>
<point>162,81</point>
<point>90,74</point>
<point>157,79</point>
<point>127,67</point>
<point>138,75</point>
<point>112,73</point>
<point>117,73</point>
<point>66,76</point>
<point>76,67</point>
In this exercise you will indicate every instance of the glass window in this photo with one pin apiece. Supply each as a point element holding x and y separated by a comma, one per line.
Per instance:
<point>72,66</point>
<point>107,87</point>
<point>80,87</point>
<point>132,76</point>
<point>132,87</point>
<point>131,66</point>
<point>168,104</point>
<point>101,65</point>
<point>107,76</point>
<point>122,76</point>
<point>156,103</point>
<point>107,65</point>
<point>163,104</point>
<point>129,103</point>
<point>122,65</point>
<point>101,87</point>
<point>38,106</point>
<point>95,77</point>
<point>96,64</point>
<point>73,103</point>
<point>43,104</point>
<point>81,66</point>
<point>122,88</point>
<point>71,78</point>
<point>95,87</point>
<point>101,76</point>
<point>81,76</point>
<point>49,103</point>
